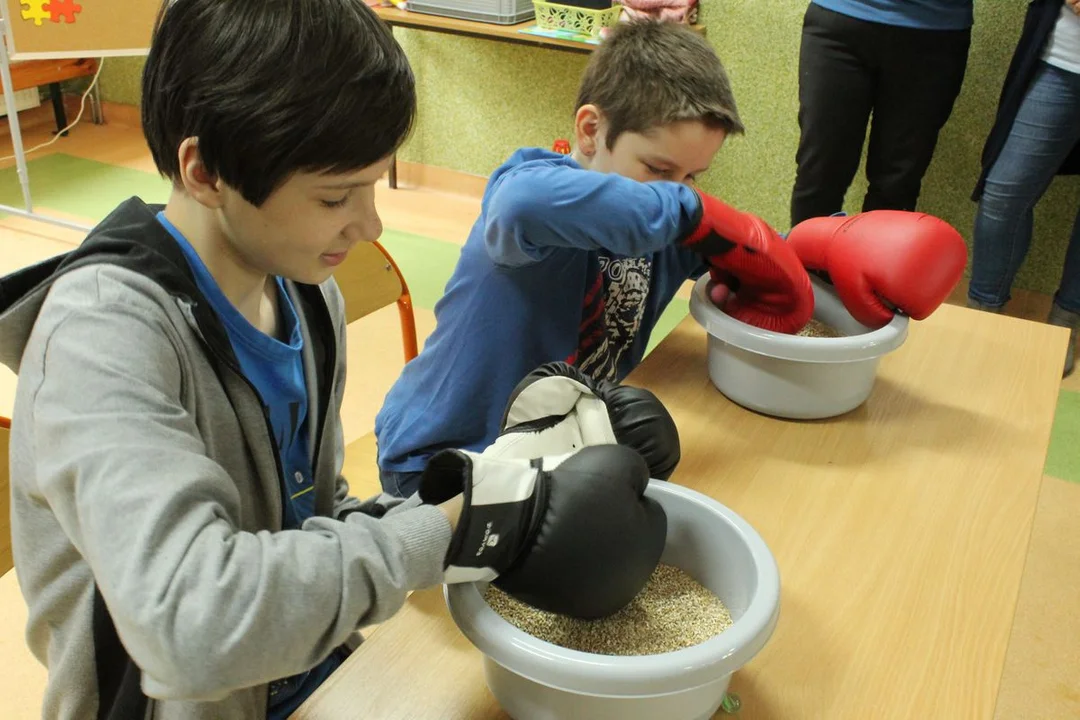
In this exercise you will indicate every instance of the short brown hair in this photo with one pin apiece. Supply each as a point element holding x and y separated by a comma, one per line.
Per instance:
<point>649,74</point>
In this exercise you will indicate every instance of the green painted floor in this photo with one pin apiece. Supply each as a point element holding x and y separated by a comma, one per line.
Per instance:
<point>1063,459</point>
<point>92,189</point>
<point>81,187</point>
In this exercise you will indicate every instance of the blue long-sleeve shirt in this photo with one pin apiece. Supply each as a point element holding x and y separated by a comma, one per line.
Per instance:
<point>562,264</point>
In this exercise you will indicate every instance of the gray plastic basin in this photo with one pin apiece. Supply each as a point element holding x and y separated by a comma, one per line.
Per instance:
<point>790,376</point>
<point>536,680</point>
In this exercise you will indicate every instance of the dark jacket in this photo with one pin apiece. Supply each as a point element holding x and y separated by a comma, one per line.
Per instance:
<point>1041,17</point>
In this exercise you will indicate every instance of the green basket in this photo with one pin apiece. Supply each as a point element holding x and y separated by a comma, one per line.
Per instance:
<point>583,21</point>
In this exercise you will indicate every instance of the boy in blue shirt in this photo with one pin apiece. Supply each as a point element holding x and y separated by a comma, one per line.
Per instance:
<point>574,258</point>
<point>183,536</point>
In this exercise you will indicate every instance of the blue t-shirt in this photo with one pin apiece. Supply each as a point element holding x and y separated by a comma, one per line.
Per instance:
<point>276,369</point>
<point>921,14</point>
<point>562,264</point>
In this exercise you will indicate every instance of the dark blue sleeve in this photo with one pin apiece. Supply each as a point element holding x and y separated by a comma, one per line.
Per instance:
<point>535,209</point>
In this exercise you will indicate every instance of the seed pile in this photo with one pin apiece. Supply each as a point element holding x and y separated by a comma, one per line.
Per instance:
<point>816,328</point>
<point>674,611</point>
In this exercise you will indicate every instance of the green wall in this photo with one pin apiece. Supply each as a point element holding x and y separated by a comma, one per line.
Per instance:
<point>479,100</point>
<point>121,80</point>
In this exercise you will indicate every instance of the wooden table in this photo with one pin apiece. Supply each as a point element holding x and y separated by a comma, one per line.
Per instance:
<point>35,73</point>
<point>900,530</point>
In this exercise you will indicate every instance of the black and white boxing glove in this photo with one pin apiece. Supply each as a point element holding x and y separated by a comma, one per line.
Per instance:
<point>572,534</point>
<point>558,409</point>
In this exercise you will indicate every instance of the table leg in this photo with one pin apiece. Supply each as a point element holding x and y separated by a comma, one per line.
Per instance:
<point>96,113</point>
<point>58,106</point>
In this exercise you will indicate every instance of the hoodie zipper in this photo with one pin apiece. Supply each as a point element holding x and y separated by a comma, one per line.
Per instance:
<point>329,359</point>
<point>329,362</point>
<point>229,364</point>
<point>275,451</point>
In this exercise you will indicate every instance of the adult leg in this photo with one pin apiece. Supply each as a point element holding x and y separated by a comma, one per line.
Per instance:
<point>921,75</point>
<point>1068,294</point>
<point>1066,309</point>
<point>1045,130</point>
<point>836,85</point>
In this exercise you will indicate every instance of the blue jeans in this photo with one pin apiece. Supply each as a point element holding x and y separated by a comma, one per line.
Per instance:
<point>400,484</point>
<point>1046,129</point>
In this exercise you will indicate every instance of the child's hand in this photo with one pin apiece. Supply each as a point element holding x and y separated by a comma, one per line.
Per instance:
<point>452,510</point>
<point>719,293</point>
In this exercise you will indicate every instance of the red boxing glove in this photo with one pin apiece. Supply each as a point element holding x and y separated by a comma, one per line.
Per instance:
<point>770,287</point>
<point>881,261</point>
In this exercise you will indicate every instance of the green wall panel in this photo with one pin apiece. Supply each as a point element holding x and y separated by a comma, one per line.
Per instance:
<point>480,100</point>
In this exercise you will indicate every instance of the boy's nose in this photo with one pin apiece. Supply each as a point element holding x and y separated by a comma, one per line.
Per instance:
<point>367,226</point>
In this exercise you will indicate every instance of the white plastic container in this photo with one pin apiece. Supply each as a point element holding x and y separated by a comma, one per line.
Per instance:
<point>496,12</point>
<point>790,376</point>
<point>535,680</point>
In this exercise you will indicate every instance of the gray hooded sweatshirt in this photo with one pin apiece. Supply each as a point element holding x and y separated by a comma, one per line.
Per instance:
<point>146,493</point>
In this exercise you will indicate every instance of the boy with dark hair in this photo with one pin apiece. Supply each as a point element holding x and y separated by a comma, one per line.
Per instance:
<point>182,534</point>
<point>574,258</point>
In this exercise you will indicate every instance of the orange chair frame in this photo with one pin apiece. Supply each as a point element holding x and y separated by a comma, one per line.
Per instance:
<point>405,310</point>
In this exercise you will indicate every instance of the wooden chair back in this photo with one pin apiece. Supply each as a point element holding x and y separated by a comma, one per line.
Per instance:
<point>6,561</point>
<point>370,280</point>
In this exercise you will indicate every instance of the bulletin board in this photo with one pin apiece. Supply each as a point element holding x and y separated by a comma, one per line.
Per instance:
<point>45,29</point>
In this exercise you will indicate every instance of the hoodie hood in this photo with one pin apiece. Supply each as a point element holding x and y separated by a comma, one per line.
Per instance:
<point>130,237</point>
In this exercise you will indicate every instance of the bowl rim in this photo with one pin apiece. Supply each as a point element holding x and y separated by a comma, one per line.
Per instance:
<point>850,348</point>
<point>630,676</point>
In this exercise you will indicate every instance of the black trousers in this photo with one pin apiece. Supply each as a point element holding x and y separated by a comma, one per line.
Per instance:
<point>848,68</point>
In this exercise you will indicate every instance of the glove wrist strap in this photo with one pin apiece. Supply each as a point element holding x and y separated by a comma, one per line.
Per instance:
<point>496,521</point>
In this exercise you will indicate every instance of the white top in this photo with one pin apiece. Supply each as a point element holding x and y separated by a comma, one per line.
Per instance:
<point>1063,47</point>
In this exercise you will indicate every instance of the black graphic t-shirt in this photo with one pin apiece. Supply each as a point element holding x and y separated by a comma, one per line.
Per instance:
<point>611,314</point>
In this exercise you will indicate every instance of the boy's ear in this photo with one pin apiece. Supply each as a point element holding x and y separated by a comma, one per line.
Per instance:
<point>197,181</point>
<point>587,129</point>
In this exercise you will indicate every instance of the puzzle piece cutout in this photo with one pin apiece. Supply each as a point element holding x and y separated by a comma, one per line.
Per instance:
<point>62,9</point>
<point>35,10</point>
